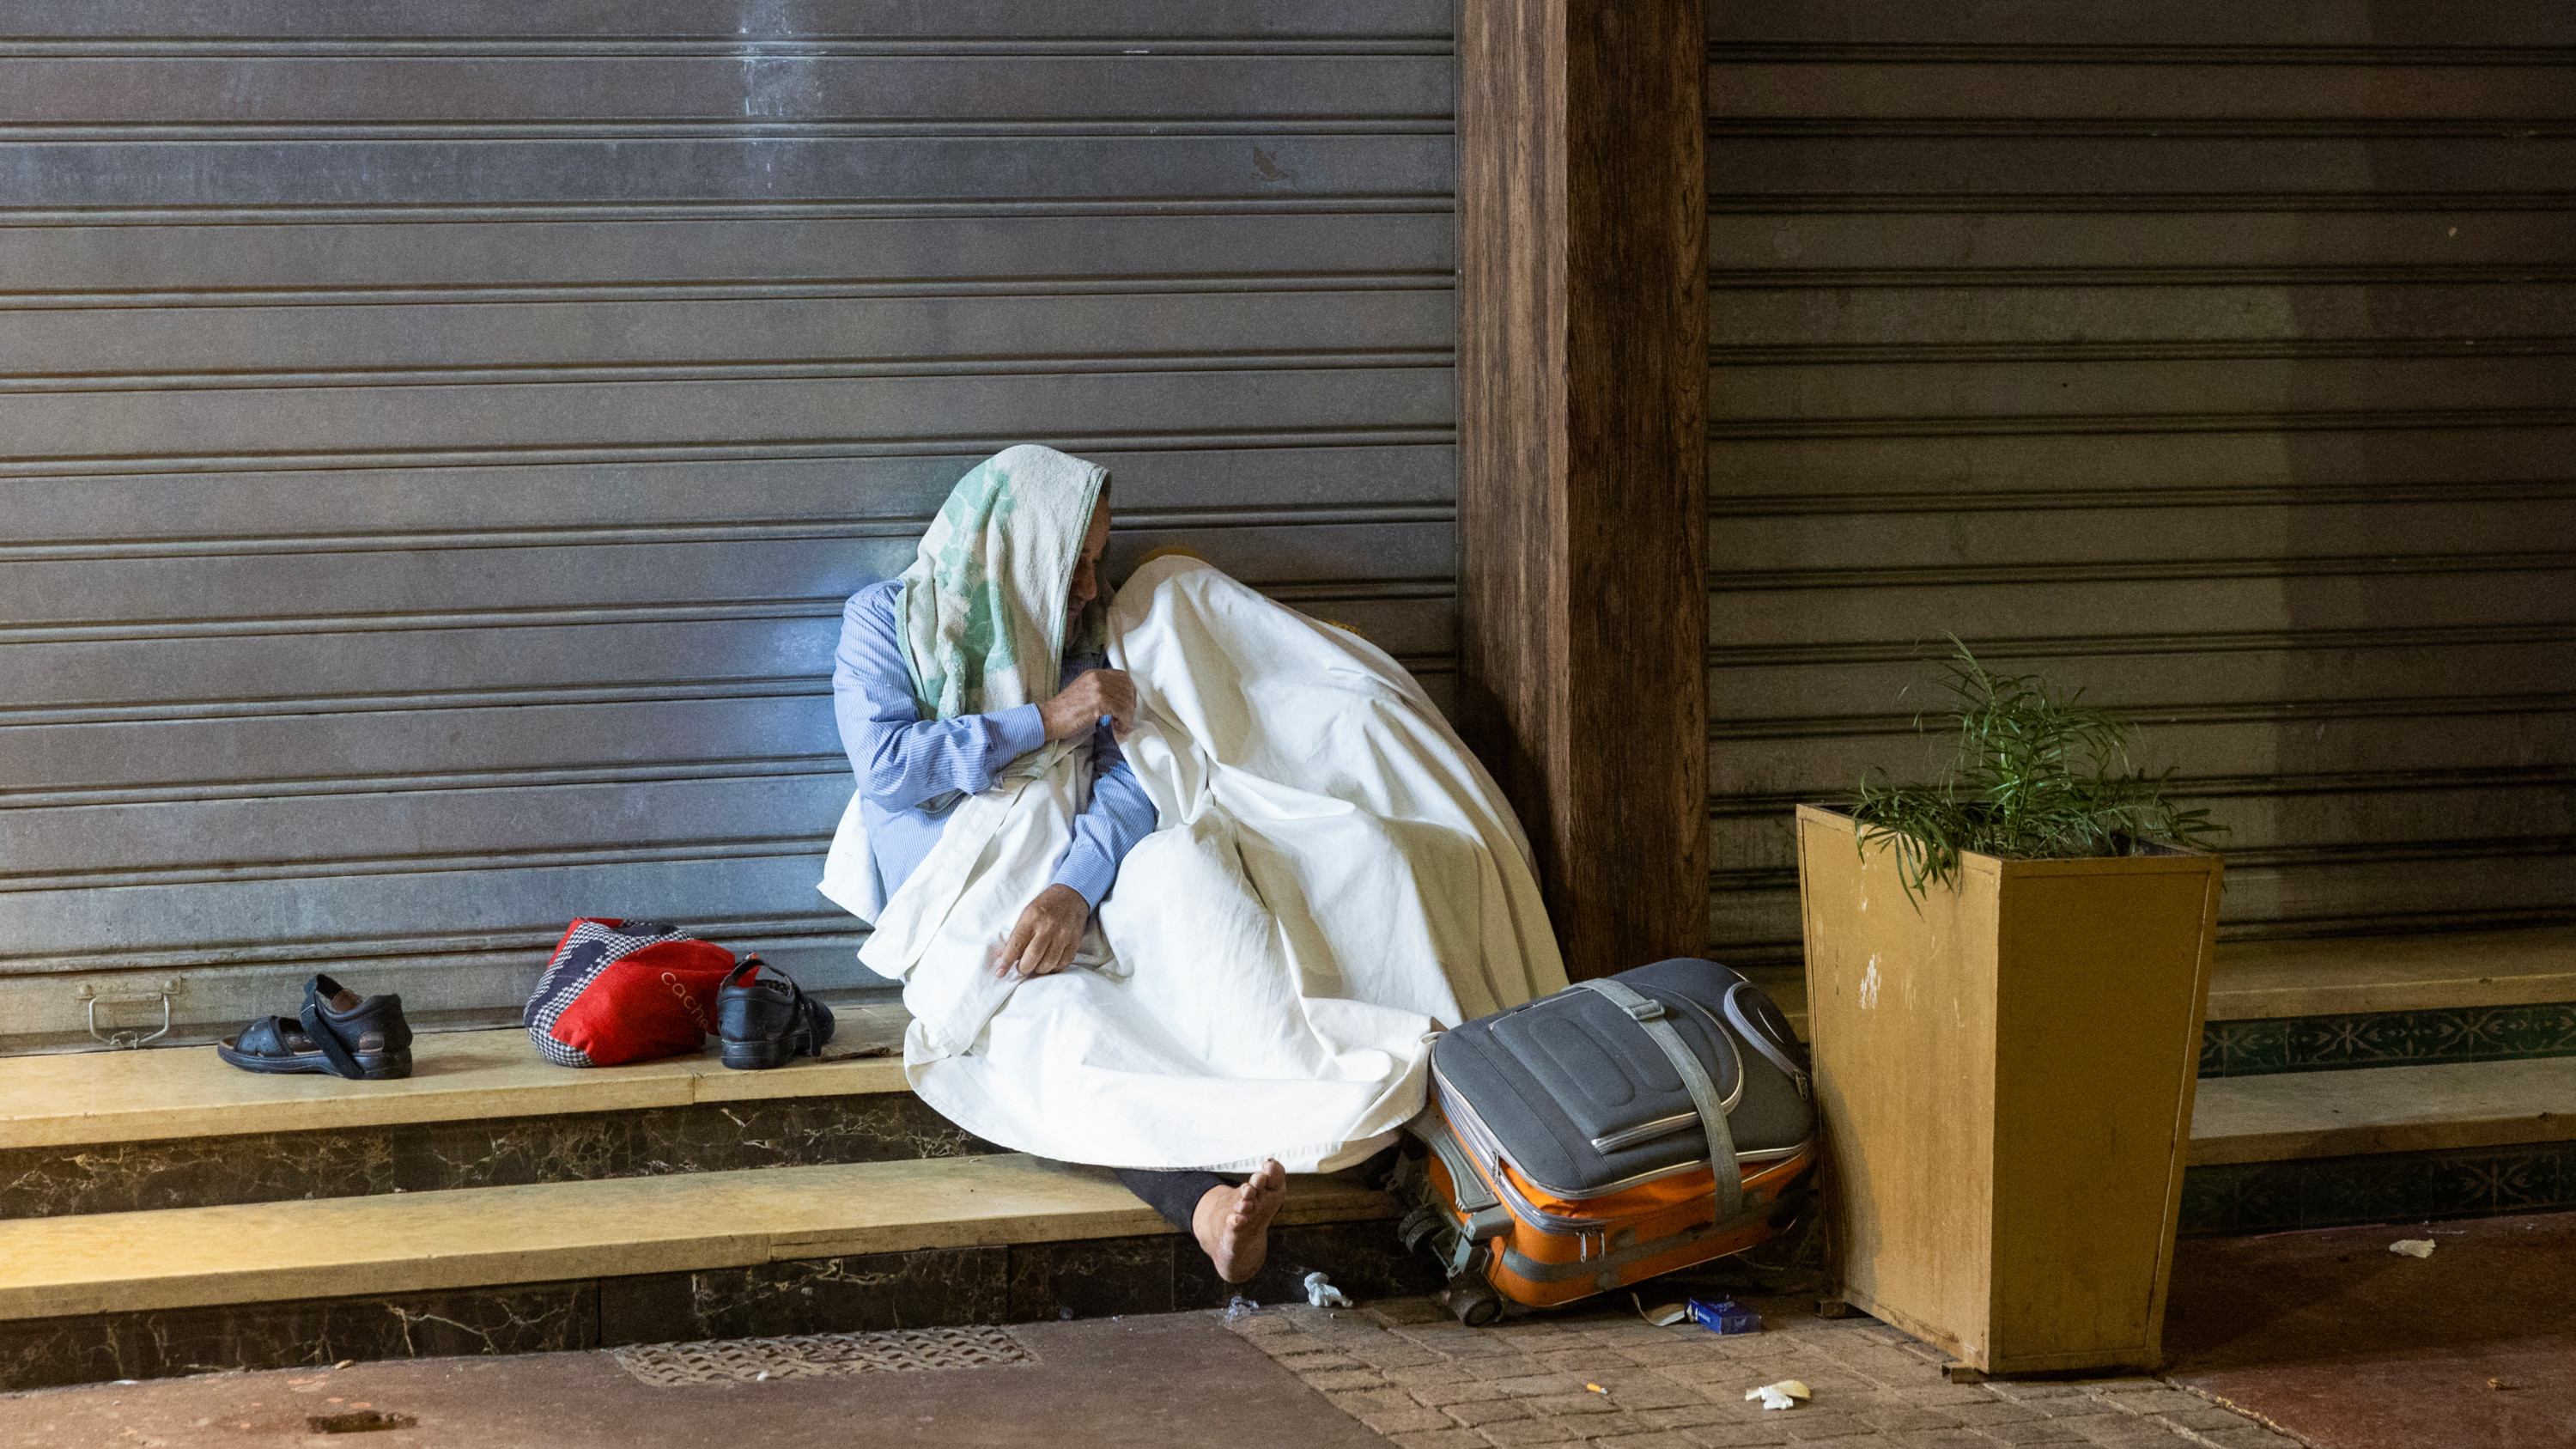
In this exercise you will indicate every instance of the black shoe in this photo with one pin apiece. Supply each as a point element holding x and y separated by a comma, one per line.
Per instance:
<point>338,1034</point>
<point>767,1018</point>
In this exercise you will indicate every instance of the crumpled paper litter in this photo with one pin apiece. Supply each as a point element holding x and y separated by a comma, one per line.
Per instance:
<point>1782,1395</point>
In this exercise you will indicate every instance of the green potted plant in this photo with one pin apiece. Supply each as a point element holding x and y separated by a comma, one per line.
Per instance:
<point>2007,971</point>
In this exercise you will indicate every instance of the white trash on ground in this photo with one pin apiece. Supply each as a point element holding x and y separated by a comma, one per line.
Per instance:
<point>2412,1247</point>
<point>1782,1395</point>
<point>1324,1295</point>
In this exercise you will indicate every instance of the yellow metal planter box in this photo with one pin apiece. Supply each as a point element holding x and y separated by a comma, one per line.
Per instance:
<point>2005,1077</point>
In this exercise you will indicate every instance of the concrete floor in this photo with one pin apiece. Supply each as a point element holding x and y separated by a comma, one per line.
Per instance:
<point>2349,1346</point>
<point>1316,1379</point>
<point>1179,1380</point>
<point>1605,1379</point>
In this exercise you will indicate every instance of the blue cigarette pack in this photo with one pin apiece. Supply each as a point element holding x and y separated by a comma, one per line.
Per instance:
<point>1724,1317</point>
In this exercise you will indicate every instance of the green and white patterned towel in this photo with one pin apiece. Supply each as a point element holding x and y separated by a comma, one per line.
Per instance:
<point>981,610</point>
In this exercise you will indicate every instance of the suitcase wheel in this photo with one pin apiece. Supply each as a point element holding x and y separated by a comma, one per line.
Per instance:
<point>1472,1300</point>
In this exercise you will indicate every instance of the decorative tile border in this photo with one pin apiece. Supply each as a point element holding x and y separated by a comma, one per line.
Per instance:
<point>2394,1187</point>
<point>2387,1039</point>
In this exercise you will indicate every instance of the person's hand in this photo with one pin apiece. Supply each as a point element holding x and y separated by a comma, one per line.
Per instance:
<point>1048,933</point>
<point>1093,693</point>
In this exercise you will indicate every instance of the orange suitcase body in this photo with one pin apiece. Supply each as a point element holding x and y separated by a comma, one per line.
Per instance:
<point>1565,1155</point>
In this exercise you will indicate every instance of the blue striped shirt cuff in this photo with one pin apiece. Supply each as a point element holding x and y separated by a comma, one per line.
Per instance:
<point>1017,731</point>
<point>1087,871</point>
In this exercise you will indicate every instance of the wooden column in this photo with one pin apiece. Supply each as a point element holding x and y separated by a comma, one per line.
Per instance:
<point>1582,455</point>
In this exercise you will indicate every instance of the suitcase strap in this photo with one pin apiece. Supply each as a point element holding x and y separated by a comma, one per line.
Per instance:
<point>1649,1013</point>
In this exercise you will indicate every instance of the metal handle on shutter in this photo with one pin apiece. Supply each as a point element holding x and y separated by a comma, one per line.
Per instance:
<point>1649,1013</point>
<point>128,1038</point>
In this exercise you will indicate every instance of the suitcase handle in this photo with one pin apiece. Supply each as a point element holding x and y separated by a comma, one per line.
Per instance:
<point>1759,1033</point>
<point>1475,1199</point>
<point>1649,1014</point>
<point>1477,1214</point>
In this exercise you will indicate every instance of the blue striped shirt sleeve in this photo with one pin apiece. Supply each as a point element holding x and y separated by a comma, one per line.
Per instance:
<point>903,760</point>
<point>1118,816</point>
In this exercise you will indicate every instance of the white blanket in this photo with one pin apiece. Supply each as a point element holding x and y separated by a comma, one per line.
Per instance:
<point>1333,880</point>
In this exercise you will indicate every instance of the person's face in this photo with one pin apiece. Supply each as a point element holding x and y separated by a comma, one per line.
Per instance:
<point>1086,569</point>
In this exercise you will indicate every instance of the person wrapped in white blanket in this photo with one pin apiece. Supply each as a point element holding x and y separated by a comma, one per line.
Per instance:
<point>1181,884</point>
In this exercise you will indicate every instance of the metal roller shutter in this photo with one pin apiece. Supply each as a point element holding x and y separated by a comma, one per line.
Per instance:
<point>435,448</point>
<point>2212,357</point>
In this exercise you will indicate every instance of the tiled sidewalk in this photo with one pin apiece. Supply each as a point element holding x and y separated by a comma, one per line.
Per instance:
<point>1409,1371</point>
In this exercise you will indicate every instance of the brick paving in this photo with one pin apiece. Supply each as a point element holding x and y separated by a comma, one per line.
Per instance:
<point>1609,1380</point>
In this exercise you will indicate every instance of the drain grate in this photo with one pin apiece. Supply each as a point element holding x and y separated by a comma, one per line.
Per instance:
<point>819,1355</point>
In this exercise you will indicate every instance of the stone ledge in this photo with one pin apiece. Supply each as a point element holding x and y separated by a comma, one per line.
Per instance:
<point>250,1167</point>
<point>2338,975</point>
<point>2292,1116</point>
<point>146,1096</point>
<point>924,1288</point>
<point>483,1237</point>
<point>143,1096</point>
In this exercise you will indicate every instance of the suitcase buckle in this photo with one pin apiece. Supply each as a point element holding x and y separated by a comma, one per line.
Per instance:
<point>1644,1008</point>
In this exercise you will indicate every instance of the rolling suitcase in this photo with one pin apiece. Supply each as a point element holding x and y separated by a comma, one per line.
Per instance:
<point>1570,1140</point>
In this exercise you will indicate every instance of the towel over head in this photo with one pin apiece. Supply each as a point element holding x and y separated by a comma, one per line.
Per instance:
<point>981,611</point>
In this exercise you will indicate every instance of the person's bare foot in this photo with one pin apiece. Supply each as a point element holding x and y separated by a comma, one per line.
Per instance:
<point>1233,1223</point>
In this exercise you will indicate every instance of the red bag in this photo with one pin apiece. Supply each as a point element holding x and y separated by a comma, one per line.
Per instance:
<point>625,991</point>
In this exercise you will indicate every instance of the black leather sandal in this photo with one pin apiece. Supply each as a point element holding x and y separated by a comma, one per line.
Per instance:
<point>339,1034</point>
<point>768,1020</point>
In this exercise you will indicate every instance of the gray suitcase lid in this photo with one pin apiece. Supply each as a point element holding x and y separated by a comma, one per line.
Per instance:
<point>1580,1101</point>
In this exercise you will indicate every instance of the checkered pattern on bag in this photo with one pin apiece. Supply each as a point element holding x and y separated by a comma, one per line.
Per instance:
<point>580,974</point>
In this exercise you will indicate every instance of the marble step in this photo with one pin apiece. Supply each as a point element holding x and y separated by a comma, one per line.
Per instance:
<point>2444,1106</point>
<point>2362,1001</point>
<point>917,1243</point>
<point>140,1096</point>
<point>166,1128</point>
<point>2380,1001</point>
<point>2385,1145</point>
<point>130,1131</point>
<point>1003,1237</point>
<point>2349,975</point>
